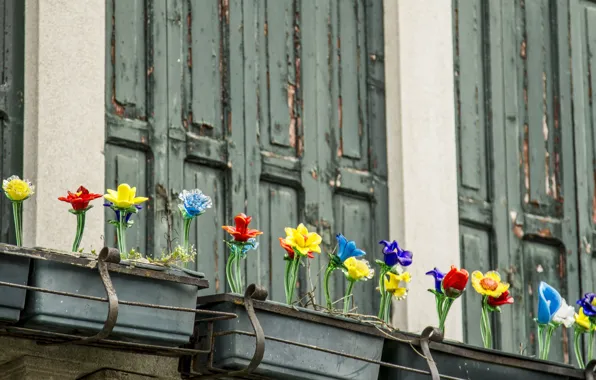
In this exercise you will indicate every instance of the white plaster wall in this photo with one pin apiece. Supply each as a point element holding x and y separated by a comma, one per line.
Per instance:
<point>421,131</point>
<point>64,117</point>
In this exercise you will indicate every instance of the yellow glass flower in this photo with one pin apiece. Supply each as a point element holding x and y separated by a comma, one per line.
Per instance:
<point>17,189</point>
<point>358,270</point>
<point>125,197</point>
<point>583,321</point>
<point>489,284</point>
<point>302,240</point>
<point>394,284</point>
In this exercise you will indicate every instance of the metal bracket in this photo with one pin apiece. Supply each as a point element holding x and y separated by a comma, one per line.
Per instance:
<point>430,334</point>
<point>106,255</point>
<point>590,370</point>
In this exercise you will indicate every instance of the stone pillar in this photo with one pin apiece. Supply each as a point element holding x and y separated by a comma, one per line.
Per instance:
<point>421,134</point>
<point>64,117</point>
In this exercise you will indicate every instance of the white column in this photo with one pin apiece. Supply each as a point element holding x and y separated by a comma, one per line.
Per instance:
<point>421,135</point>
<point>64,117</point>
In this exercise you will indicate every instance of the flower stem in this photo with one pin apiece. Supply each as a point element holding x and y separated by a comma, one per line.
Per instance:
<point>187,223</point>
<point>590,356</point>
<point>17,211</point>
<point>293,277</point>
<point>238,274</point>
<point>445,310</point>
<point>485,329</point>
<point>549,333</point>
<point>121,233</point>
<point>348,297</point>
<point>80,229</point>
<point>287,281</point>
<point>229,274</point>
<point>388,303</point>
<point>540,340</point>
<point>578,349</point>
<point>383,305</point>
<point>328,271</point>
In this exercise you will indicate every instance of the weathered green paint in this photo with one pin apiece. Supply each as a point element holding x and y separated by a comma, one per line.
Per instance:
<point>274,108</point>
<point>12,41</point>
<point>518,210</point>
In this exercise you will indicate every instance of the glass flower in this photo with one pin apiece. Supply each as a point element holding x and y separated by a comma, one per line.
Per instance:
<point>347,249</point>
<point>358,270</point>
<point>395,284</point>
<point>503,299</point>
<point>583,321</point>
<point>455,281</point>
<point>240,231</point>
<point>588,303</point>
<point>489,284</point>
<point>549,301</point>
<point>393,254</point>
<point>303,241</point>
<point>17,189</point>
<point>438,275</point>
<point>290,251</point>
<point>125,197</point>
<point>194,203</point>
<point>79,200</point>
<point>565,315</point>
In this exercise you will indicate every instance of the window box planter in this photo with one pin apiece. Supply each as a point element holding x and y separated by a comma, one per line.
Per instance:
<point>462,361</point>
<point>82,275</point>
<point>15,270</point>
<point>282,325</point>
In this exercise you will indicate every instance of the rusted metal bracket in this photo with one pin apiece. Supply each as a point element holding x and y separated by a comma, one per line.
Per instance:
<point>106,255</point>
<point>430,334</point>
<point>590,370</point>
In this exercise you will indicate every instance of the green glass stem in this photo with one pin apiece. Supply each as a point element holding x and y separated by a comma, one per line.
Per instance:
<point>549,333</point>
<point>590,356</point>
<point>444,311</point>
<point>238,274</point>
<point>383,305</point>
<point>121,233</point>
<point>80,229</point>
<point>17,213</point>
<point>293,277</point>
<point>287,280</point>
<point>578,348</point>
<point>328,271</point>
<point>388,303</point>
<point>230,272</point>
<point>187,223</point>
<point>485,329</point>
<point>348,297</point>
<point>541,328</point>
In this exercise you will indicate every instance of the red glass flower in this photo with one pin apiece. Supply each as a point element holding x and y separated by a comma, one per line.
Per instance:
<point>80,200</point>
<point>455,281</point>
<point>241,232</point>
<point>504,299</point>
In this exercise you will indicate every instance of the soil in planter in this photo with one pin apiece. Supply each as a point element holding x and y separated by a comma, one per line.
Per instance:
<point>50,312</point>
<point>13,269</point>
<point>285,361</point>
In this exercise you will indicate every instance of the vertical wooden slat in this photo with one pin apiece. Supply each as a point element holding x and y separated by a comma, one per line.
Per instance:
<point>12,58</point>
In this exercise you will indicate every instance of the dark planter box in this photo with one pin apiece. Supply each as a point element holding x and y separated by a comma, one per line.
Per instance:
<point>13,269</point>
<point>286,361</point>
<point>468,362</point>
<point>64,314</point>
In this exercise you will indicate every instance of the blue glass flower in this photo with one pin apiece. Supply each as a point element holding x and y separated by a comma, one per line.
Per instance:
<point>393,254</point>
<point>194,203</point>
<point>588,303</point>
<point>438,275</point>
<point>549,301</point>
<point>347,249</point>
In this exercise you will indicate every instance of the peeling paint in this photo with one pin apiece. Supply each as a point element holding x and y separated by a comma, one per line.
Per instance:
<point>522,49</point>
<point>526,163</point>
<point>339,116</point>
<point>291,90</point>
<point>545,233</point>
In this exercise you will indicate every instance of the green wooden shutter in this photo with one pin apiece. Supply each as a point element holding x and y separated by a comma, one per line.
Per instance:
<point>12,41</point>
<point>274,108</point>
<point>516,159</point>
